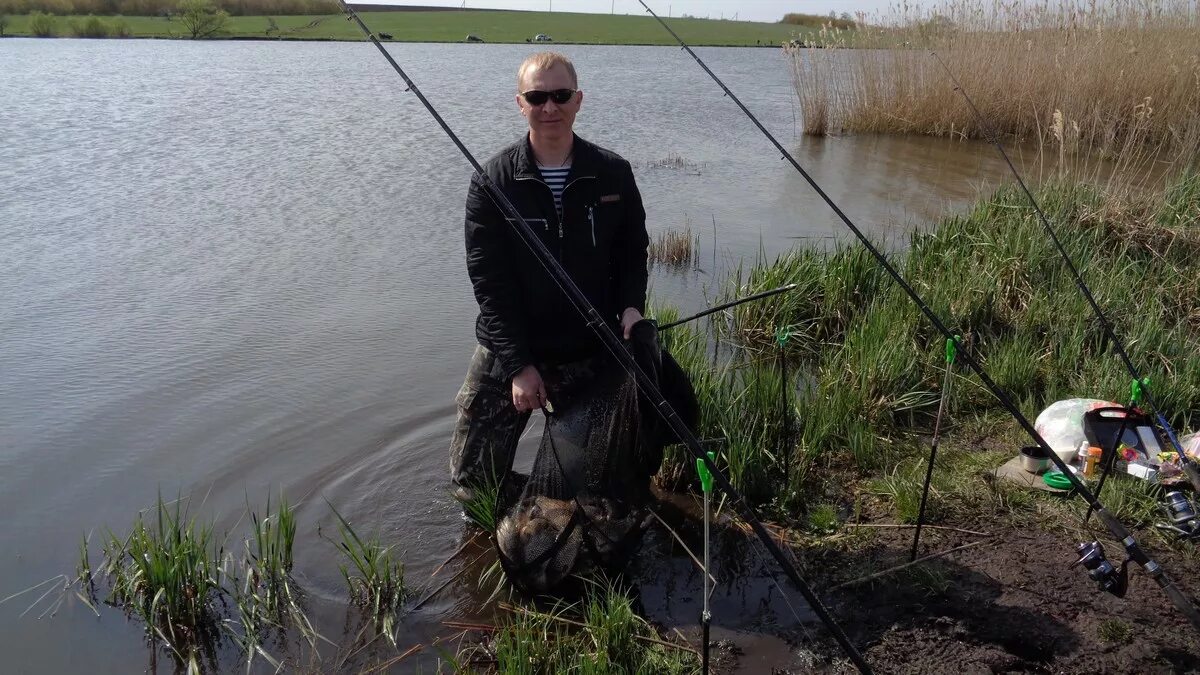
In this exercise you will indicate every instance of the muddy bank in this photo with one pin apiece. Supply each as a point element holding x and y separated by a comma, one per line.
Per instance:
<point>1012,604</point>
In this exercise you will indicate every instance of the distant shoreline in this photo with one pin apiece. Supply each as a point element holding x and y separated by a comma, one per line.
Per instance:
<point>443,27</point>
<point>251,38</point>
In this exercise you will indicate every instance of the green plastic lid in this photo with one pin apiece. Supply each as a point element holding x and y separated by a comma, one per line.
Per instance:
<point>1057,480</point>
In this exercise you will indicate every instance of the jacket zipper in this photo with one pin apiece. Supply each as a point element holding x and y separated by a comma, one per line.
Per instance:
<point>547,221</point>
<point>591,216</point>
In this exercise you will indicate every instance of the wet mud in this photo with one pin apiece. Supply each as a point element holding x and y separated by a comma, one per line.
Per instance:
<point>1012,604</point>
<point>1008,603</point>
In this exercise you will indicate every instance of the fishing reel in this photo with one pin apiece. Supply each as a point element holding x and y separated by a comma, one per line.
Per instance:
<point>1103,572</point>
<point>1182,514</point>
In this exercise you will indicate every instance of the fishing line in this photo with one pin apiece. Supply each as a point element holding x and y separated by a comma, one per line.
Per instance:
<point>617,349</point>
<point>1119,532</point>
<point>1189,467</point>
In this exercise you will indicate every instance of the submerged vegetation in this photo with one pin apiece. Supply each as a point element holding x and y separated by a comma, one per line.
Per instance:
<point>1114,79</point>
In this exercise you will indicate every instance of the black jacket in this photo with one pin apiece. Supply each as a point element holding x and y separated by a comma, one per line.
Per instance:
<point>601,241</point>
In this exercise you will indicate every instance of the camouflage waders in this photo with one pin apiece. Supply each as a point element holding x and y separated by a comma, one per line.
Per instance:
<point>489,426</point>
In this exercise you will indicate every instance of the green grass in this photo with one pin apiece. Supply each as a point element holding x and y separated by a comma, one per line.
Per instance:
<point>481,508</point>
<point>1114,631</point>
<point>168,573</point>
<point>601,634</point>
<point>374,576</point>
<point>497,27</point>
<point>870,365</point>
<point>823,518</point>
<point>175,575</point>
<point>261,584</point>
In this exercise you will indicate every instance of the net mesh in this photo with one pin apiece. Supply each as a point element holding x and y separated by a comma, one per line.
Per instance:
<point>584,503</point>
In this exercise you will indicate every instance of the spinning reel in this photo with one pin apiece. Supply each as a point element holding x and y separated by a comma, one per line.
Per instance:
<point>1182,514</point>
<point>1184,521</point>
<point>1110,579</point>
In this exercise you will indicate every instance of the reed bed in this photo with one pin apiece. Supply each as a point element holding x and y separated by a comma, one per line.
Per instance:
<point>677,248</point>
<point>1117,79</point>
<point>866,366</point>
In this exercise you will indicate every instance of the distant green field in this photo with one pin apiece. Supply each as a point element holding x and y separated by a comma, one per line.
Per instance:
<point>491,26</point>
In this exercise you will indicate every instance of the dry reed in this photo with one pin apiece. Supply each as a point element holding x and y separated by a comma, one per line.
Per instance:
<point>1115,79</point>
<point>673,160</point>
<point>675,248</point>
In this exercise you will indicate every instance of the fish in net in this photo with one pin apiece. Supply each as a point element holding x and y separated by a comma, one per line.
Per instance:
<point>584,504</point>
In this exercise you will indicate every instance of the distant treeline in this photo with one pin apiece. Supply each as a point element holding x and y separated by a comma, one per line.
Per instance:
<point>164,7</point>
<point>813,20</point>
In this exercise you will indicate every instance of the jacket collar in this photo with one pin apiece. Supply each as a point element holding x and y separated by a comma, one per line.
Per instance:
<point>584,160</point>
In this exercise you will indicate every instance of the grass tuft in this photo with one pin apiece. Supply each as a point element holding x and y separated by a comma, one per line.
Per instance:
<point>481,507</point>
<point>1114,631</point>
<point>601,634</point>
<point>168,573</point>
<point>823,518</point>
<point>374,577</point>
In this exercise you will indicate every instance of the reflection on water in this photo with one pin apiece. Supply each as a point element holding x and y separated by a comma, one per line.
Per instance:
<point>230,266</point>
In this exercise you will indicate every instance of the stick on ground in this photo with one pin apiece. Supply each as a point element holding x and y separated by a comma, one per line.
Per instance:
<point>897,568</point>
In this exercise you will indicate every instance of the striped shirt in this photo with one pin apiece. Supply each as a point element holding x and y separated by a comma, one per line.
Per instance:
<point>556,178</point>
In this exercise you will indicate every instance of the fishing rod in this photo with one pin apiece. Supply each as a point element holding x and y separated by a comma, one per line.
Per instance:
<point>614,345</point>
<point>731,303</point>
<point>1142,383</point>
<point>1099,569</point>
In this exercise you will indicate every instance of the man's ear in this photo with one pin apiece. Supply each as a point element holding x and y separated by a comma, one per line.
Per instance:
<point>517,98</point>
<point>579,101</point>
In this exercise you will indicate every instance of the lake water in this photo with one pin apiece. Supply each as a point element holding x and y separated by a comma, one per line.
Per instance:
<point>233,267</point>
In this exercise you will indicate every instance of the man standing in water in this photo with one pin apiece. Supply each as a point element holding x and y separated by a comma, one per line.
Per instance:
<point>583,203</point>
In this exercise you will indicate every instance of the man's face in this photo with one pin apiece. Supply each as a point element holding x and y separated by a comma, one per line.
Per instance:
<point>549,120</point>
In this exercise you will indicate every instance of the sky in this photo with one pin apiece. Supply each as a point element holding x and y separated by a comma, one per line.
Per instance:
<point>745,10</point>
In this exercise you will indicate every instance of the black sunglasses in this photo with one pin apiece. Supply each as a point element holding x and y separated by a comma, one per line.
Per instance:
<point>538,97</point>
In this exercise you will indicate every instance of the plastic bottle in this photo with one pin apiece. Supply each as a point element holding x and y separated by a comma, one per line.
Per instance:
<point>1081,455</point>
<point>1093,461</point>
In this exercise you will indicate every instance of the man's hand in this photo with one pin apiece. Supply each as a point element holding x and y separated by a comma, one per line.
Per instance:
<point>629,317</point>
<point>528,390</point>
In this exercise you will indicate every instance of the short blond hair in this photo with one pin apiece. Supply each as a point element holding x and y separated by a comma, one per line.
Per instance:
<point>545,61</point>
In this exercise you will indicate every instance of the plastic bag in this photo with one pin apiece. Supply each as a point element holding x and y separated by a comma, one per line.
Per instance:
<point>1061,424</point>
<point>1191,444</point>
